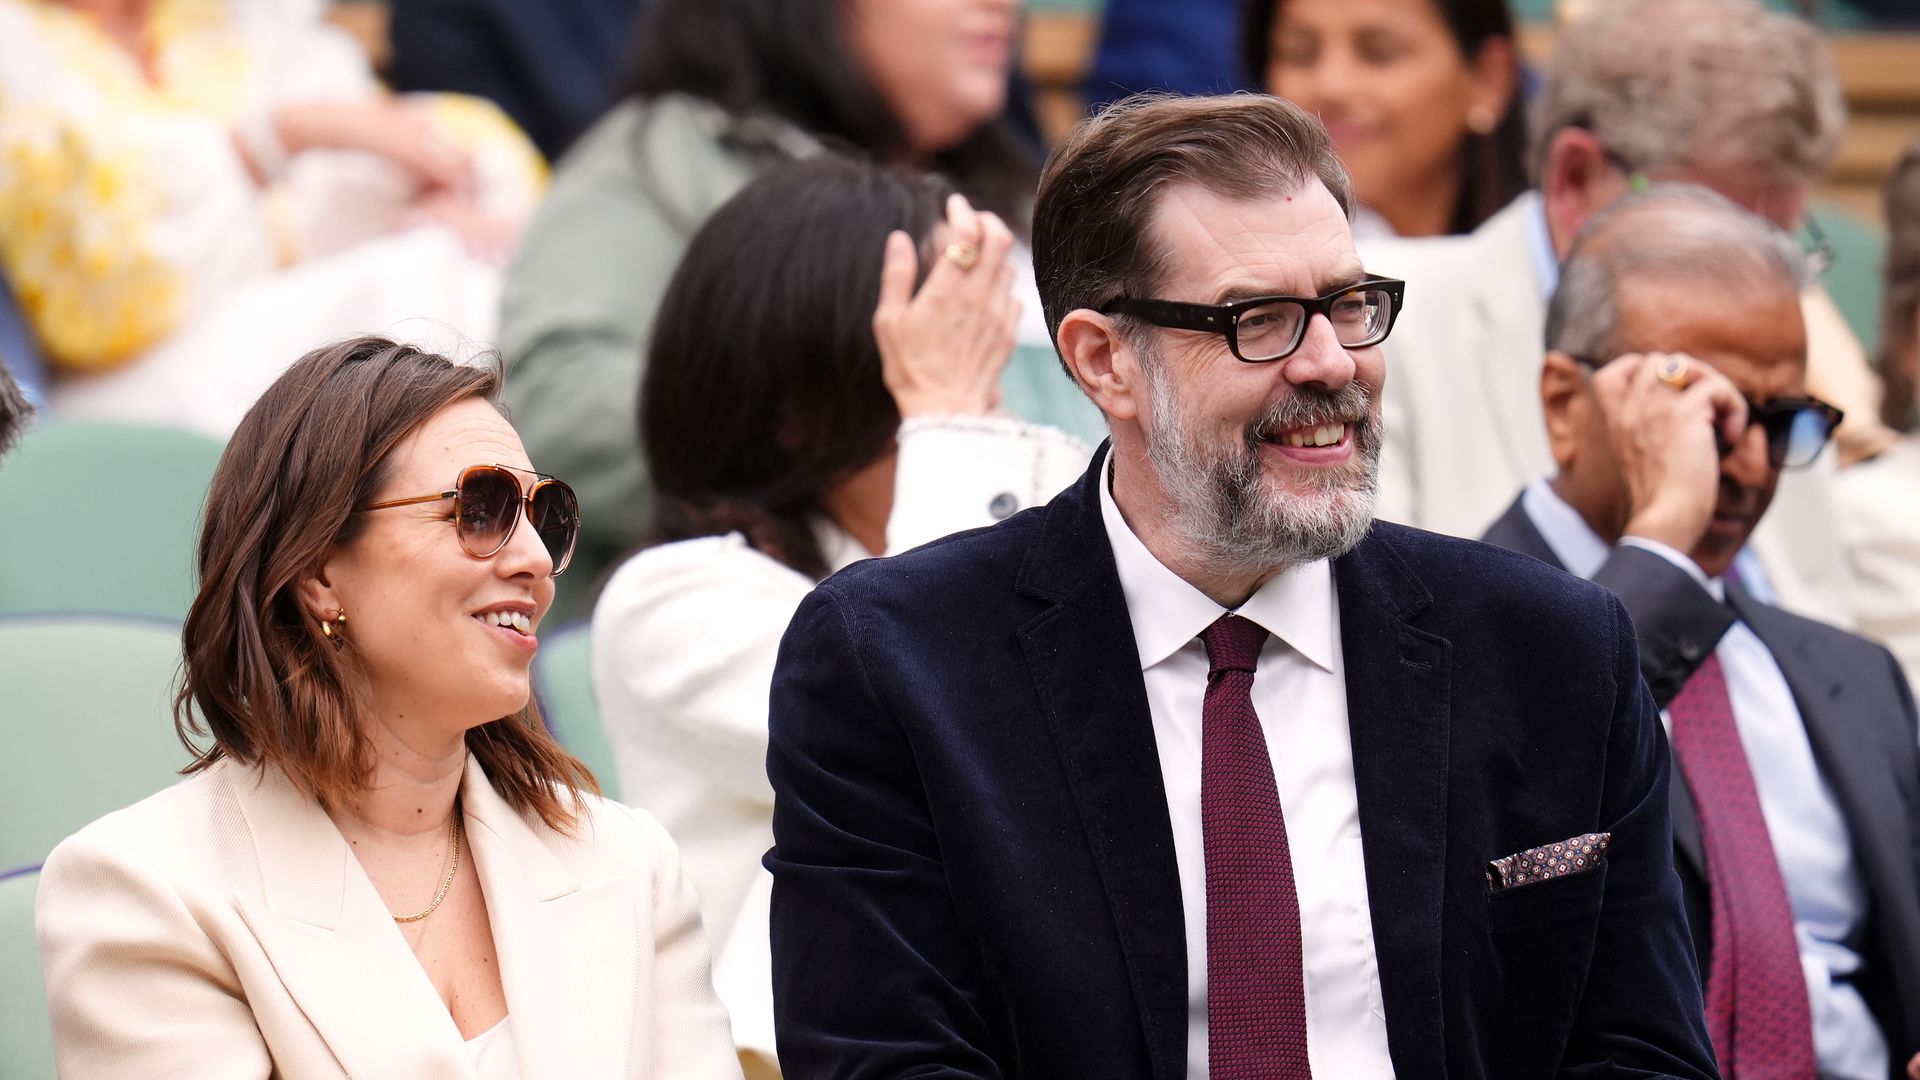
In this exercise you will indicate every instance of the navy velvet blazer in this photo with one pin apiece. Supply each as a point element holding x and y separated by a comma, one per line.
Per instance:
<point>973,860</point>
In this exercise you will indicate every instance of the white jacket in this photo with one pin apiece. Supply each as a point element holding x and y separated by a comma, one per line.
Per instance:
<point>684,641</point>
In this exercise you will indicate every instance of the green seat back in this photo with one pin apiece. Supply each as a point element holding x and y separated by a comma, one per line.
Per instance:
<point>1859,260</point>
<point>88,723</point>
<point>563,679</point>
<point>102,518</point>
<point>26,1036</point>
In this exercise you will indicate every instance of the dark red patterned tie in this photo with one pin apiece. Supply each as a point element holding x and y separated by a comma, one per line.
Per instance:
<point>1757,1008</point>
<point>1256,994</point>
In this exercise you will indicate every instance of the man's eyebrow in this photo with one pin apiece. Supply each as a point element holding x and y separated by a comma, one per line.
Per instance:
<point>1338,282</point>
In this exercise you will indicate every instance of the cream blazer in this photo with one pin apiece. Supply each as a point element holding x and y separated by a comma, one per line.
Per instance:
<point>1882,522</point>
<point>223,928</point>
<point>1464,429</point>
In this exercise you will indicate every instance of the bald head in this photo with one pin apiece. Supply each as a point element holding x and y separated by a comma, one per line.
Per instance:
<point>1675,236</point>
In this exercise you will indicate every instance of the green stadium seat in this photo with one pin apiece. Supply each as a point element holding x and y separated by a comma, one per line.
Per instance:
<point>26,1035</point>
<point>89,723</point>
<point>103,518</point>
<point>563,680</point>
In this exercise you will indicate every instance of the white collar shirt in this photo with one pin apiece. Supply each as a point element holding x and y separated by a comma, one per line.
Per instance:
<point>1299,692</point>
<point>1809,833</point>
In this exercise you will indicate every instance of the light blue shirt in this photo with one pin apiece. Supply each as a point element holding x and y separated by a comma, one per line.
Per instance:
<point>1809,832</point>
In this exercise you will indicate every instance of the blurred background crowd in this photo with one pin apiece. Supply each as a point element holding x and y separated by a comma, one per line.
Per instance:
<point>679,223</point>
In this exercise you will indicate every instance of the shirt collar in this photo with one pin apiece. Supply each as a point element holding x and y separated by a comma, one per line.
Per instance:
<point>1546,265</point>
<point>1297,607</point>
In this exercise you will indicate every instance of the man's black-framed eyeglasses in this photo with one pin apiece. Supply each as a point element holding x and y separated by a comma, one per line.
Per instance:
<point>1261,329</point>
<point>1797,428</point>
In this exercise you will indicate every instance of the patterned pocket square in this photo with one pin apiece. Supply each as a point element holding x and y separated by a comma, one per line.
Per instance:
<point>1549,861</point>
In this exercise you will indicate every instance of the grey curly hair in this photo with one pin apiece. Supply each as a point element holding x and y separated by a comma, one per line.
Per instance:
<point>1721,84</point>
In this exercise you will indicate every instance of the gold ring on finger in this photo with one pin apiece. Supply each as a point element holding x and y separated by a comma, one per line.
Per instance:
<point>1675,371</point>
<point>963,254</point>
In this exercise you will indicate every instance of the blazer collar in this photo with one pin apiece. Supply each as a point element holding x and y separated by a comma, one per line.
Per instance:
<point>336,947</point>
<point>1083,659</point>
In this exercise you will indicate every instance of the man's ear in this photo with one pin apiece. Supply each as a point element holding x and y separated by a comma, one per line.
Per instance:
<point>1563,402</point>
<point>1576,181</point>
<point>1102,363</point>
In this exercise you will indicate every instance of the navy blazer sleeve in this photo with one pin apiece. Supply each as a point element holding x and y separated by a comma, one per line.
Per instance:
<point>1623,1026</point>
<point>858,881</point>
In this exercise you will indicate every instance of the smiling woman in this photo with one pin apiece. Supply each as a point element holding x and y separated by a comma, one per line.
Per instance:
<point>381,863</point>
<point>1421,98</point>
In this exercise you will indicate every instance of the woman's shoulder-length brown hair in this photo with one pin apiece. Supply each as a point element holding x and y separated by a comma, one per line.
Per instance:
<point>258,677</point>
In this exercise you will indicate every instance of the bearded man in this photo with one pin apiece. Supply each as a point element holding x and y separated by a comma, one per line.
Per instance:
<point>1198,771</point>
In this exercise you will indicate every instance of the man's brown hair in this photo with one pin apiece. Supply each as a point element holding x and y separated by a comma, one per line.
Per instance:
<point>1097,194</point>
<point>267,686</point>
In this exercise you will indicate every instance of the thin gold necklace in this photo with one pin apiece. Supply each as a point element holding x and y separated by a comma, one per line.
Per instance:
<point>453,867</point>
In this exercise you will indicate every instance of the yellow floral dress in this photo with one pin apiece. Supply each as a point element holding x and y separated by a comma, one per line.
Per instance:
<point>130,224</point>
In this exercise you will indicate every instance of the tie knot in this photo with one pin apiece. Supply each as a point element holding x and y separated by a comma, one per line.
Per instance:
<point>1233,644</point>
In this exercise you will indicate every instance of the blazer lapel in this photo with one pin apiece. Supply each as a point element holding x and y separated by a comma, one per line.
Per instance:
<point>1511,311</point>
<point>1081,653</point>
<point>333,942</point>
<point>1398,710</point>
<point>569,956</point>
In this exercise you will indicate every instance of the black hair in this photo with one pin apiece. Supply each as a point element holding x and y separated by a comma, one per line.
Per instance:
<point>762,387</point>
<point>1493,167</point>
<point>791,59</point>
<point>15,411</point>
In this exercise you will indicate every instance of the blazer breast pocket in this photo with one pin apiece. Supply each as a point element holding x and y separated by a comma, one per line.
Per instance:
<point>1549,884</point>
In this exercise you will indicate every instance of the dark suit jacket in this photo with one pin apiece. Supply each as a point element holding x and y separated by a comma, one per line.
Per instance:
<point>1860,720</point>
<point>974,865</point>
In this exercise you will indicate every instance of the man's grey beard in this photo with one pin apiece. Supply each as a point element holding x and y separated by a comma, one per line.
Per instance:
<point>1226,516</point>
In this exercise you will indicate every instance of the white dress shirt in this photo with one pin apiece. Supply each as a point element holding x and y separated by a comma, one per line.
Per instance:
<point>1809,833</point>
<point>1300,694</point>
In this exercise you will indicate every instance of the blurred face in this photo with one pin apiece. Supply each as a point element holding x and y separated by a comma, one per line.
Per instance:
<point>1760,344</point>
<point>1392,86</point>
<point>1267,465</point>
<point>940,65</point>
<point>423,615</point>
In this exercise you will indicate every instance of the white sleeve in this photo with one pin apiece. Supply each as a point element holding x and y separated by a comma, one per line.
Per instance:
<point>957,473</point>
<point>684,641</point>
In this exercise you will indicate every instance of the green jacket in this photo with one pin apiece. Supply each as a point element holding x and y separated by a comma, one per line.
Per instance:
<point>579,301</point>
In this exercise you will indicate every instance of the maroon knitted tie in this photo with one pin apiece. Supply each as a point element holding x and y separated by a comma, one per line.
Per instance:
<point>1757,1010</point>
<point>1256,994</point>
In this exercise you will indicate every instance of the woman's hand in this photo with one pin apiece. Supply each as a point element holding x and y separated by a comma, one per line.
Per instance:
<point>385,128</point>
<point>942,349</point>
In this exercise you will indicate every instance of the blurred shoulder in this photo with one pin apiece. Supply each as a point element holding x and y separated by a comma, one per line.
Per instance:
<point>612,840</point>
<point>697,568</point>
<point>1436,262</point>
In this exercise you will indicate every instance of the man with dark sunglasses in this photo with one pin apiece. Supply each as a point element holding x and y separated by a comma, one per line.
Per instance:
<point>1673,393</point>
